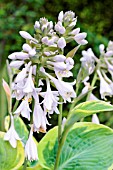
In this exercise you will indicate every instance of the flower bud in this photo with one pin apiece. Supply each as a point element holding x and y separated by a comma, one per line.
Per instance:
<point>61,43</point>
<point>25,35</point>
<point>60,16</point>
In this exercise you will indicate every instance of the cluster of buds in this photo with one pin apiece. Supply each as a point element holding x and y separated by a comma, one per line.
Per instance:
<point>42,62</point>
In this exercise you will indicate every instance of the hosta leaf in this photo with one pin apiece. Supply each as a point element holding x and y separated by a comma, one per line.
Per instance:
<point>10,158</point>
<point>21,129</point>
<point>86,109</point>
<point>88,146</point>
<point>47,149</point>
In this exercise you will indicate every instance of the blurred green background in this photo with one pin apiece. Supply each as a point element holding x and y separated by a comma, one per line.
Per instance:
<point>94,17</point>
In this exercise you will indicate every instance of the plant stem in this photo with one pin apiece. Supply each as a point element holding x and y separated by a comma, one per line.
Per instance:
<point>62,140</point>
<point>15,106</point>
<point>92,84</point>
<point>25,164</point>
<point>60,120</point>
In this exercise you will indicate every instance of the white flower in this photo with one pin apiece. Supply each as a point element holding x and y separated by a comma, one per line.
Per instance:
<point>79,38</point>
<point>61,43</point>
<point>37,25</point>
<point>39,118</point>
<point>27,36</point>
<point>92,97</point>
<point>60,16</point>
<point>29,85</point>
<point>95,119</point>
<point>31,148</point>
<point>59,27</point>
<point>50,101</point>
<point>75,31</point>
<point>101,48</point>
<point>65,89</point>
<point>24,109</point>
<point>11,135</point>
<point>59,58</point>
<point>31,51</point>
<point>105,88</point>
<point>88,60</point>
<point>16,64</point>
<point>18,55</point>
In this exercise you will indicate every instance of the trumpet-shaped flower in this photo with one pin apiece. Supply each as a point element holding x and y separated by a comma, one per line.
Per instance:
<point>105,88</point>
<point>11,135</point>
<point>31,152</point>
<point>29,85</point>
<point>50,101</point>
<point>24,109</point>
<point>65,89</point>
<point>39,118</point>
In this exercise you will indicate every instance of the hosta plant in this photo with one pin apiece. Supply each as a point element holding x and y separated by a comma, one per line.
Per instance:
<point>41,83</point>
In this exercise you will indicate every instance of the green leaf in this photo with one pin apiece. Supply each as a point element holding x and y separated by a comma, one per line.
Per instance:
<point>47,149</point>
<point>21,129</point>
<point>86,109</point>
<point>72,52</point>
<point>88,146</point>
<point>10,158</point>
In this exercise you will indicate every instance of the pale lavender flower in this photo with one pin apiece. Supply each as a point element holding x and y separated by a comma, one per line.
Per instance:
<point>80,38</point>
<point>39,118</point>
<point>61,43</point>
<point>37,25</point>
<point>11,135</point>
<point>31,152</point>
<point>88,60</point>
<point>65,89</point>
<point>59,27</point>
<point>31,51</point>
<point>60,16</point>
<point>95,119</point>
<point>29,85</point>
<point>24,109</point>
<point>18,55</point>
<point>16,64</point>
<point>27,36</point>
<point>50,101</point>
<point>105,88</point>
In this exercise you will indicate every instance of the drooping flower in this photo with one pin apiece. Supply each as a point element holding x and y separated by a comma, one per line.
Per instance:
<point>105,88</point>
<point>31,152</point>
<point>11,135</point>
<point>24,109</point>
<point>50,101</point>
<point>39,118</point>
<point>29,85</point>
<point>65,89</point>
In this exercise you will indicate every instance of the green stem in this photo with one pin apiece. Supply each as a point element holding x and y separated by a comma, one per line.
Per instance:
<point>25,165</point>
<point>92,84</point>
<point>62,140</point>
<point>60,120</point>
<point>15,106</point>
